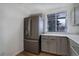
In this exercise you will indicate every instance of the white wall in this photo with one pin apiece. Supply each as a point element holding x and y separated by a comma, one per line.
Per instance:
<point>11,22</point>
<point>1,41</point>
<point>71,26</point>
<point>11,27</point>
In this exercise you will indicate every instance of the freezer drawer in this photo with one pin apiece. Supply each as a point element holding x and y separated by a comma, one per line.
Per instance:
<point>31,46</point>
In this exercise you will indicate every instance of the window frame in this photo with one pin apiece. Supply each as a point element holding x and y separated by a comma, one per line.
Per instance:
<point>56,23</point>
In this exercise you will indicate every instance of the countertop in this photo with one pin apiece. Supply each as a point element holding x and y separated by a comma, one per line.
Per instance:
<point>74,37</point>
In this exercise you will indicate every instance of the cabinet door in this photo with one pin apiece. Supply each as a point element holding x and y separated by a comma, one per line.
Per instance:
<point>52,45</point>
<point>44,45</point>
<point>74,48</point>
<point>62,47</point>
<point>58,46</point>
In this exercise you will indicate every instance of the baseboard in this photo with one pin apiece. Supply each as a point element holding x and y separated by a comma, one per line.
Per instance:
<point>52,53</point>
<point>18,52</point>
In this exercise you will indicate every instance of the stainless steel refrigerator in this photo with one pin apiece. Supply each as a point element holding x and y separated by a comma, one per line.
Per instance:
<point>33,28</point>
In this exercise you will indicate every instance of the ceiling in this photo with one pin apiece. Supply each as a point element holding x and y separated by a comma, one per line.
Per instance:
<point>39,7</point>
<point>32,8</point>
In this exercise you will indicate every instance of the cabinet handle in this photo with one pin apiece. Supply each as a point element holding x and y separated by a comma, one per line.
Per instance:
<point>52,39</point>
<point>44,38</point>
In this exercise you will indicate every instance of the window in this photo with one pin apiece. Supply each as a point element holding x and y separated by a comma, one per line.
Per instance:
<point>57,22</point>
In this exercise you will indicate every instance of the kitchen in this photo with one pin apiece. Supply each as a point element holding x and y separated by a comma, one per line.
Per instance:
<point>54,37</point>
<point>32,29</point>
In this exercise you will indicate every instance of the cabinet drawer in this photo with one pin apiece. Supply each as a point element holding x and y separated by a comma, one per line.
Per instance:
<point>52,37</point>
<point>44,37</point>
<point>57,37</point>
<point>31,45</point>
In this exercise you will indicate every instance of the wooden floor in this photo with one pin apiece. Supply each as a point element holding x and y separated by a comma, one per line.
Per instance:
<point>24,53</point>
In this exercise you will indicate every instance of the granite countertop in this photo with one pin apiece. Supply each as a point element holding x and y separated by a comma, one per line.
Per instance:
<point>74,37</point>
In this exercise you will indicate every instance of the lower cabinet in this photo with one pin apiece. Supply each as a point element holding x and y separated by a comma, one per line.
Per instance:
<point>74,48</point>
<point>55,45</point>
<point>44,45</point>
<point>52,46</point>
<point>73,52</point>
<point>62,46</point>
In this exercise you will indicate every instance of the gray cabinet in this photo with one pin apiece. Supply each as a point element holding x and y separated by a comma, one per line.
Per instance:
<point>74,48</point>
<point>48,45</point>
<point>62,46</point>
<point>55,45</point>
<point>44,45</point>
<point>52,46</point>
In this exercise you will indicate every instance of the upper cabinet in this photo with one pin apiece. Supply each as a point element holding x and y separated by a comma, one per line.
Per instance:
<point>76,14</point>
